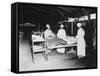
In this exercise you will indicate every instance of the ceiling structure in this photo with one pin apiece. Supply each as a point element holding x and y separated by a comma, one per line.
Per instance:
<point>43,14</point>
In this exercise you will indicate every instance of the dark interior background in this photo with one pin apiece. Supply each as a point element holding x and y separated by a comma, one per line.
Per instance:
<point>40,15</point>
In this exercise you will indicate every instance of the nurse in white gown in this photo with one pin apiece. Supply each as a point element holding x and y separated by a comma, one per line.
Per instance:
<point>48,34</point>
<point>80,41</point>
<point>61,34</point>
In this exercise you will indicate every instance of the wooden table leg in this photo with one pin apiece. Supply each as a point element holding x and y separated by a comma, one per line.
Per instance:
<point>45,53</point>
<point>32,54</point>
<point>45,56</point>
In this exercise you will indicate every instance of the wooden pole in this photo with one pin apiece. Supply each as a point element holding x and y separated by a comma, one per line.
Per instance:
<point>72,28</point>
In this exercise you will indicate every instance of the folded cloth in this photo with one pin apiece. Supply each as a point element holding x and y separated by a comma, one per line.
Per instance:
<point>37,48</point>
<point>71,40</point>
<point>61,50</point>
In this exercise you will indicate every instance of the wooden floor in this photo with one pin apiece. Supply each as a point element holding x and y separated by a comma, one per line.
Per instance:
<point>55,60</point>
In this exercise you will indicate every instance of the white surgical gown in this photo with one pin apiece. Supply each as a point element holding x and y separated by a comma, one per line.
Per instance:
<point>62,34</point>
<point>81,43</point>
<point>48,34</point>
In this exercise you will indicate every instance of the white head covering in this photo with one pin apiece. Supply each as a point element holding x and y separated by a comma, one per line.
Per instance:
<point>79,24</point>
<point>61,25</point>
<point>47,25</point>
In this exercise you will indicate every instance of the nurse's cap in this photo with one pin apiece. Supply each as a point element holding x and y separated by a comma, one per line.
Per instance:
<point>61,25</point>
<point>79,24</point>
<point>47,25</point>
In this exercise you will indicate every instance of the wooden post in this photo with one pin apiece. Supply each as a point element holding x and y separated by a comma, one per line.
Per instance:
<point>72,28</point>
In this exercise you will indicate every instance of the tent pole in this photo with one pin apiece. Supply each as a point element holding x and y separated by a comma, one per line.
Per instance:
<point>72,28</point>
